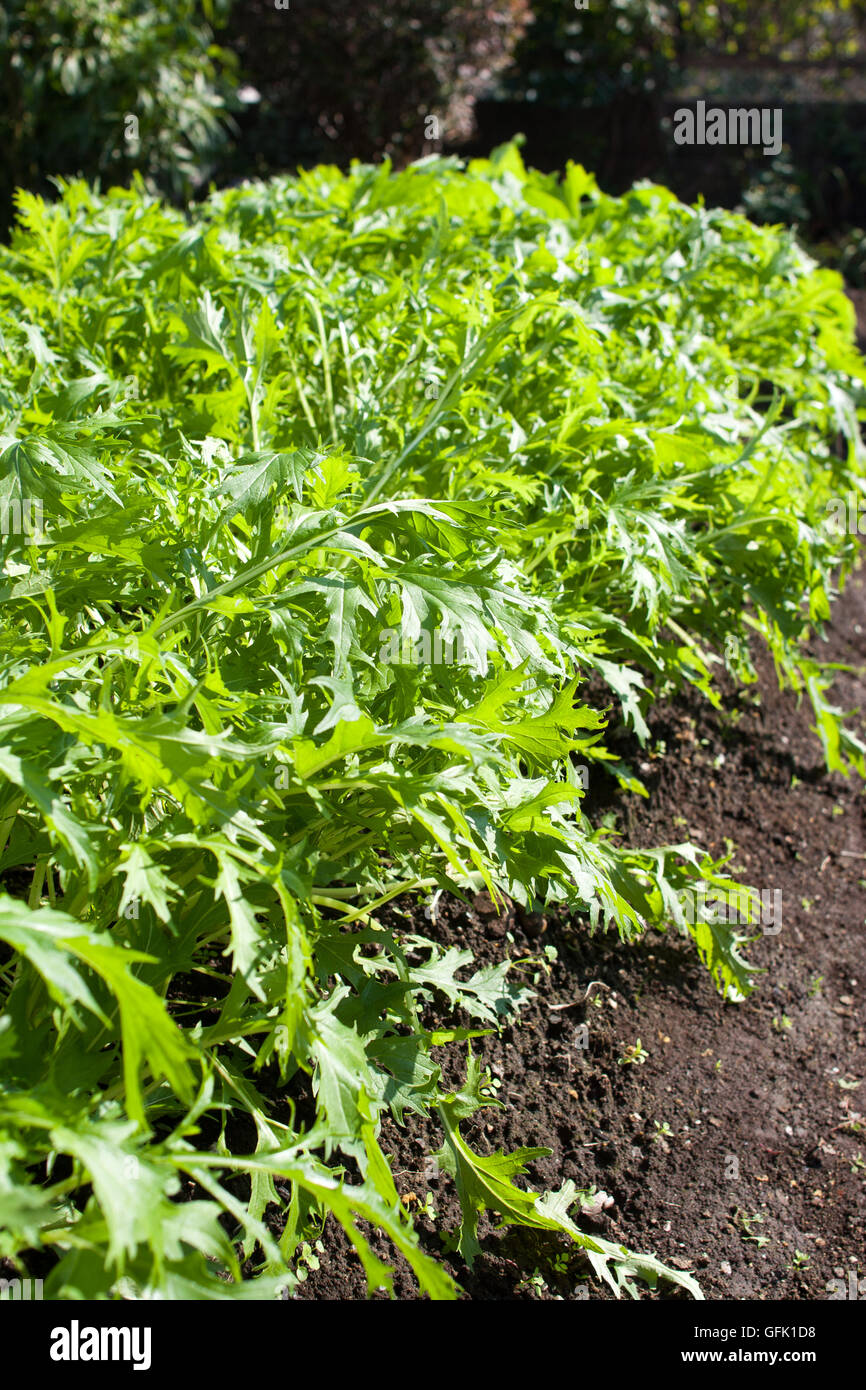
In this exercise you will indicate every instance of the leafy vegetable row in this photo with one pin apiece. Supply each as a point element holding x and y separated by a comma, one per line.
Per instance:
<point>484,410</point>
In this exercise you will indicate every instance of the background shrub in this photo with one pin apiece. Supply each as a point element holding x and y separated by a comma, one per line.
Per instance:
<point>72,71</point>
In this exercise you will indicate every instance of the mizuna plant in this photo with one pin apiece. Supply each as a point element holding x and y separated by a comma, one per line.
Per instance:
<point>587,437</point>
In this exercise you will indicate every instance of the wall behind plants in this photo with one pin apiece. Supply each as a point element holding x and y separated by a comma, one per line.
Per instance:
<point>570,57</point>
<point>601,85</point>
<point>340,82</point>
<point>106,87</point>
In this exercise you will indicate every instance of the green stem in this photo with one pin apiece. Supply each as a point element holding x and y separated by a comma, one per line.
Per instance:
<point>326,364</point>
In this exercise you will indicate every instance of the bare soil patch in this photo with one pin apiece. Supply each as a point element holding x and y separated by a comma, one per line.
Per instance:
<point>744,1119</point>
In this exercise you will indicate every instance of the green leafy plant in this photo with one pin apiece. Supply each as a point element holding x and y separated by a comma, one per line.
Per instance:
<point>593,437</point>
<point>747,1225</point>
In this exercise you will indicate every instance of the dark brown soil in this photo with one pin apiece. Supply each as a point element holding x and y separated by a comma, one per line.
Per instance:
<point>743,1121</point>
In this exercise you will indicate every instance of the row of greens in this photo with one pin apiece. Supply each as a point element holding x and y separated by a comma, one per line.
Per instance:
<point>584,438</point>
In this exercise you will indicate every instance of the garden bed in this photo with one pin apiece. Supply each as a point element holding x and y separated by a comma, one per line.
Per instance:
<point>352,527</point>
<point>769,1082</point>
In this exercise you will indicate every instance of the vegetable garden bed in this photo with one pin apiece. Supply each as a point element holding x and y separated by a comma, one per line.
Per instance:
<point>354,524</point>
<point>739,1140</point>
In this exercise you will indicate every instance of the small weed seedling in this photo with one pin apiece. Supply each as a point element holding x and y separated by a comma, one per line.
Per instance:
<point>633,1054</point>
<point>746,1223</point>
<point>308,1259</point>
